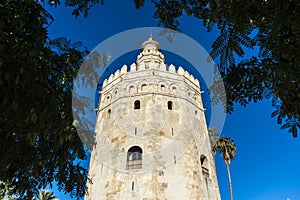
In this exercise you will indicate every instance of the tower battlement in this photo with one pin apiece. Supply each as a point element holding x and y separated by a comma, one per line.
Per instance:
<point>157,79</point>
<point>153,67</point>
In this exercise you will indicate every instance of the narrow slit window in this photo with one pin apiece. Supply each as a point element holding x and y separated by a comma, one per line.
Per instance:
<point>137,104</point>
<point>172,131</point>
<point>108,113</point>
<point>135,130</point>
<point>170,105</point>
<point>132,186</point>
<point>175,160</point>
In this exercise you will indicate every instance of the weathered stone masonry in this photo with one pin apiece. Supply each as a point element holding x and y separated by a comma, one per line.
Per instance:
<point>151,135</point>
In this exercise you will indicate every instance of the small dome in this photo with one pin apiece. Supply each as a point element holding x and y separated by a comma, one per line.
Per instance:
<point>150,52</point>
<point>150,43</point>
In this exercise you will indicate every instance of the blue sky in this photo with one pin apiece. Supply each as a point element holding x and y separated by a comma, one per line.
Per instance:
<point>267,162</point>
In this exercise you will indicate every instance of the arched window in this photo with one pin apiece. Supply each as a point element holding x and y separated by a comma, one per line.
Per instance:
<point>204,166</point>
<point>170,105</point>
<point>134,158</point>
<point>137,104</point>
<point>107,99</point>
<point>205,172</point>
<point>195,97</point>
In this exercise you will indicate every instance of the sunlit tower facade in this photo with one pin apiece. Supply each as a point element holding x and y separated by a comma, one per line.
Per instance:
<point>152,141</point>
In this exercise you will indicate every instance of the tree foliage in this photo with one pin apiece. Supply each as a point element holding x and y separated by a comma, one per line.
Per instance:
<point>227,149</point>
<point>273,73</point>
<point>80,7</point>
<point>213,136</point>
<point>38,143</point>
<point>270,25</point>
<point>5,191</point>
<point>45,195</point>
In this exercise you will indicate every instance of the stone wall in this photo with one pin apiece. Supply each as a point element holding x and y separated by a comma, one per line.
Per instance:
<point>159,110</point>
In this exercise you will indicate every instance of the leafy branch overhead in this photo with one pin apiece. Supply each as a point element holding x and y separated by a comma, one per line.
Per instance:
<point>38,142</point>
<point>273,27</point>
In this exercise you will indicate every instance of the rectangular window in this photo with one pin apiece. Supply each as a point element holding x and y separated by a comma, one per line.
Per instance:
<point>132,186</point>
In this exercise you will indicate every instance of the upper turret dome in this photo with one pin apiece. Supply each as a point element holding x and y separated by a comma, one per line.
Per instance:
<point>150,52</point>
<point>150,44</point>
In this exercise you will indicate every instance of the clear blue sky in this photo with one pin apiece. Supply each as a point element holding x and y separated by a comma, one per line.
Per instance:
<point>267,165</point>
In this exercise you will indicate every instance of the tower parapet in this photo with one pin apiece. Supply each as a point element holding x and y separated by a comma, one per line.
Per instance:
<point>162,67</point>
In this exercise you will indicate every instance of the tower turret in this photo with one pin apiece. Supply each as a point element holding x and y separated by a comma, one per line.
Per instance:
<point>150,52</point>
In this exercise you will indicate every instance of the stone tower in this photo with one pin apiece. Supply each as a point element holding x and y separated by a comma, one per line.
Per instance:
<point>151,135</point>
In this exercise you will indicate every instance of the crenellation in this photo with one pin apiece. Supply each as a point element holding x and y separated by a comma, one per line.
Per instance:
<point>111,78</point>
<point>172,68</point>
<point>124,69</point>
<point>180,70</point>
<point>133,67</point>
<point>187,75</point>
<point>197,83</point>
<point>104,83</point>
<point>117,73</point>
<point>192,78</point>
<point>163,67</point>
